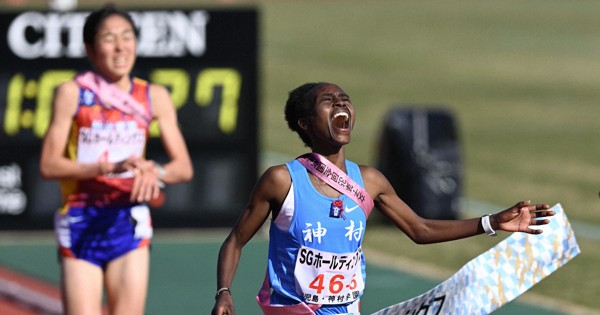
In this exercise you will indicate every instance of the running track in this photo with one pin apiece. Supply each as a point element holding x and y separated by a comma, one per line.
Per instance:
<point>183,277</point>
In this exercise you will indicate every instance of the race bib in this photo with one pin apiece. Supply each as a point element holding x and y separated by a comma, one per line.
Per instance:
<point>110,142</point>
<point>328,278</point>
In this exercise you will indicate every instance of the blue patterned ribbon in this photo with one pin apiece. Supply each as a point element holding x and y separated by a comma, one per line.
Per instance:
<point>499,275</point>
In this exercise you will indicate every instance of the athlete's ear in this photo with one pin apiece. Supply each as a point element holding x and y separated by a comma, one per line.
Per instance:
<point>303,123</point>
<point>90,52</point>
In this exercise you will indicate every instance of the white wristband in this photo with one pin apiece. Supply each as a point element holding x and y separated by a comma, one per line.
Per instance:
<point>487,227</point>
<point>161,173</point>
<point>221,290</point>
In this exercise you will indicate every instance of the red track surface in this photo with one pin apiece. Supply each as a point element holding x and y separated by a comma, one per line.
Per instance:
<point>25,295</point>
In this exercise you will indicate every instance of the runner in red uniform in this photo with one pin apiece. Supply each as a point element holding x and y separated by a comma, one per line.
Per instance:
<point>95,147</point>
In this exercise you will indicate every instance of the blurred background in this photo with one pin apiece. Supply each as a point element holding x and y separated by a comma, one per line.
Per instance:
<point>479,104</point>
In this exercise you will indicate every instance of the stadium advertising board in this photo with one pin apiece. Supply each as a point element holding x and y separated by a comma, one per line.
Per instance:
<point>208,61</point>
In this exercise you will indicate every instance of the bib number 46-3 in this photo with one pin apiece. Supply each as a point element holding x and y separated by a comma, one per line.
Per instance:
<point>335,286</point>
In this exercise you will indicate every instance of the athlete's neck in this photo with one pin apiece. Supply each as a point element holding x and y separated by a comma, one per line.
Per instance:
<point>338,158</point>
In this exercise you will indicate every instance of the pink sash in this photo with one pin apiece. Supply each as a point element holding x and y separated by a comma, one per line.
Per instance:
<point>113,97</point>
<point>336,178</point>
<point>264,301</point>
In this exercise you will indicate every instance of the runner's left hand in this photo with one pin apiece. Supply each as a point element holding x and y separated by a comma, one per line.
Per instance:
<point>146,185</point>
<point>521,216</point>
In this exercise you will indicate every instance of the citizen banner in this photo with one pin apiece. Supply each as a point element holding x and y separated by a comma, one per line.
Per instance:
<point>499,275</point>
<point>206,58</point>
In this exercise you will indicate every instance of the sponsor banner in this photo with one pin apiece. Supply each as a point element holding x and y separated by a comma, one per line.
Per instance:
<point>206,58</point>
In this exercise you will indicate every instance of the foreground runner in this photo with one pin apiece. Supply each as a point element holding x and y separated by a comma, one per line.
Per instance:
<point>319,204</point>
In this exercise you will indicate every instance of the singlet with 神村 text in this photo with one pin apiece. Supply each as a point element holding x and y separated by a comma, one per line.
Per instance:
<point>315,253</point>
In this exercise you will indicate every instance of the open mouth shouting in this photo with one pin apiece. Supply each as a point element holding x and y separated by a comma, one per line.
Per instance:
<point>341,120</point>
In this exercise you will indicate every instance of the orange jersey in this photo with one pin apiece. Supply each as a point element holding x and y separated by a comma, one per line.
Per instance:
<point>101,133</point>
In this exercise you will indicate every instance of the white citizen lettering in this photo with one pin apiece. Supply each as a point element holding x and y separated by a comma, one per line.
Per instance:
<point>196,42</point>
<point>17,40</point>
<point>52,43</point>
<point>49,30</point>
<point>34,35</point>
<point>150,28</point>
<point>165,33</point>
<point>348,210</point>
<point>74,24</point>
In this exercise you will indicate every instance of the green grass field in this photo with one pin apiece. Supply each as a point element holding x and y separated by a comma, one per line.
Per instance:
<point>521,78</point>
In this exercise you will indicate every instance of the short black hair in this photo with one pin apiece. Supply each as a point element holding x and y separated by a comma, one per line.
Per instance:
<point>96,18</point>
<point>300,104</point>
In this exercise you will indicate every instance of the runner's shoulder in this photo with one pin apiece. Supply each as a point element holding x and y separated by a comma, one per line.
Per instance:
<point>277,175</point>
<point>370,173</point>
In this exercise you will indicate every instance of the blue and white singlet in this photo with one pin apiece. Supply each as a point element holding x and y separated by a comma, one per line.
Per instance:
<point>315,253</point>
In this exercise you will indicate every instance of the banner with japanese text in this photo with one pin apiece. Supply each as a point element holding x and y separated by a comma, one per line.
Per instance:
<point>499,275</point>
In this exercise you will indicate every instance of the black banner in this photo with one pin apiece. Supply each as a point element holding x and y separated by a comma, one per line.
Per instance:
<point>208,61</point>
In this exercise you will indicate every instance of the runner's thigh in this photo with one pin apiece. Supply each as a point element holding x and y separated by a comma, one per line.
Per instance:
<point>81,286</point>
<point>126,281</point>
